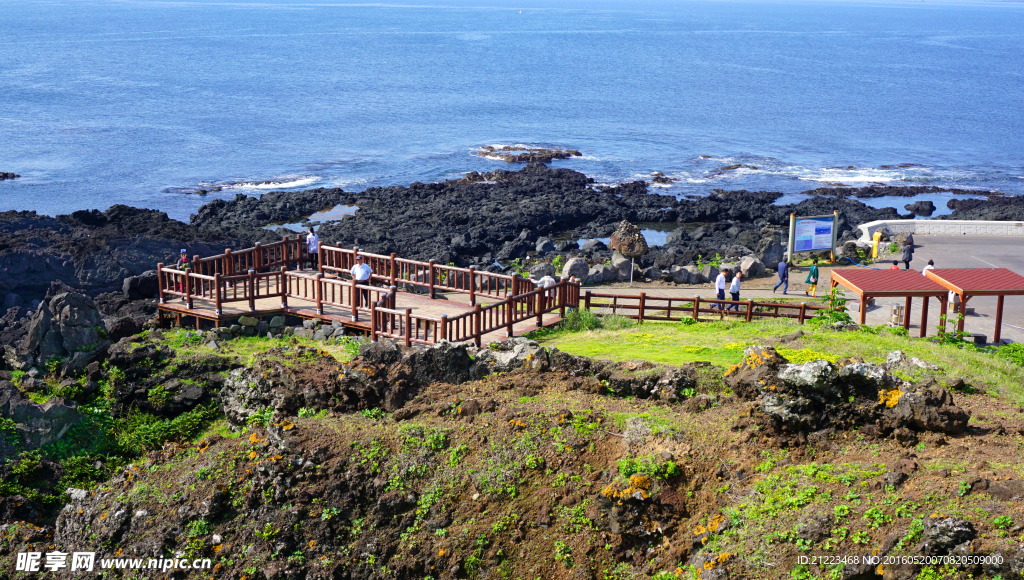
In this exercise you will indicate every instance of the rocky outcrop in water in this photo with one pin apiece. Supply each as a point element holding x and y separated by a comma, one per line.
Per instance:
<point>5,175</point>
<point>1010,208</point>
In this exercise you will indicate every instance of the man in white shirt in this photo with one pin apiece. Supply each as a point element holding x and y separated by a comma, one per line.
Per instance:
<point>362,272</point>
<point>930,266</point>
<point>313,248</point>
<point>720,287</point>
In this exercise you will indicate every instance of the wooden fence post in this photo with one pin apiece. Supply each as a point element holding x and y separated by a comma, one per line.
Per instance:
<point>318,291</point>
<point>478,324</point>
<point>803,308</point>
<point>229,262</point>
<point>430,278</point>
<point>696,307</point>
<point>408,327</point>
<point>394,268</point>
<point>515,283</point>
<point>750,309</point>
<point>586,300</point>
<point>563,296</point>
<point>509,313</point>
<point>643,302</point>
<point>216,294</point>
<point>373,322</point>
<point>320,258</point>
<point>444,327</point>
<point>160,279</point>
<point>284,287</point>
<point>540,308</point>
<point>392,296</point>
<point>188,289</point>
<point>252,290</point>
<point>355,300</point>
<point>472,285</point>
<point>257,258</point>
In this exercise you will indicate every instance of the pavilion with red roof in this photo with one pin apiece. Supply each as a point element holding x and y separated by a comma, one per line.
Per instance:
<point>909,284</point>
<point>968,282</point>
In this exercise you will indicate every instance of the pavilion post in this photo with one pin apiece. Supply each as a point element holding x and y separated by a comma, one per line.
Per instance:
<point>943,305</point>
<point>999,319</point>
<point>863,308</point>
<point>906,312</point>
<point>924,316</point>
<point>963,312</point>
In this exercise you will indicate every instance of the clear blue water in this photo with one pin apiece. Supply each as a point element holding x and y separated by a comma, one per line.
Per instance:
<point>105,102</point>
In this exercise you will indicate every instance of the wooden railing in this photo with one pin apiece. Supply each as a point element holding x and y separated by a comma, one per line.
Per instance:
<point>473,325</point>
<point>643,307</point>
<point>260,258</point>
<point>428,276</point>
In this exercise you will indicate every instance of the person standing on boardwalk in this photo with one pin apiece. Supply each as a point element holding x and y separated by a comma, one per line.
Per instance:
<point>908,255</point>
<point>183,264</point>
<point>313,248</point>
<point>783,277</point>
<point>734,291</point>
<point>720,286</point>
<point>362,272</point>
<point>812,279</point>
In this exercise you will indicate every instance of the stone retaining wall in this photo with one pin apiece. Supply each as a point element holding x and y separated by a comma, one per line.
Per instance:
<point>943,228</point>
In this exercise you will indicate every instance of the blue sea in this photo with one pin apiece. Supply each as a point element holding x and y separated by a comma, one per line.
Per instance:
<point>139,101</point>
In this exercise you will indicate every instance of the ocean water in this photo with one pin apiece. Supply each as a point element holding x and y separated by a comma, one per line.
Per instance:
<point>138,101</point>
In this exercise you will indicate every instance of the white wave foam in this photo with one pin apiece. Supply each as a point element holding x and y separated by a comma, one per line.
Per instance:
<point>284,183</point>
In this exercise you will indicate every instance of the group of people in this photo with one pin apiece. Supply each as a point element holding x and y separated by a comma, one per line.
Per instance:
<point>734,287</point>
<point>811,281</point>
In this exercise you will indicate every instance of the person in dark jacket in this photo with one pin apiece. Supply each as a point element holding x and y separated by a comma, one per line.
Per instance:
<point>783,277</point>
<point>908,255</point>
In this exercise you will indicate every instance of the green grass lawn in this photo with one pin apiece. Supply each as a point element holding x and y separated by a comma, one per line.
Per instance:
<point>722,344</point>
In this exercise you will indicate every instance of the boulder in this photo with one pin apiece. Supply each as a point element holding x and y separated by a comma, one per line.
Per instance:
<point>544,245</point>
<point>942,534</point>
<point>752,267</point>
<point>770,250</point>
<point>145,285</point>
<point>593,246</point>
<point>67,325</point>
<point>118,328</point>
<point>568,246</point>
<point>628,241</point>
<point>679,275</point>
<point>248,321</point>
<point>652,273</point>
<point>676,236</point>
<point>595,275</point>
<point>819,394</point>
<point>922,208</point>
<point>709,272</point>
<point>696,274</point>
<point>576,268</point>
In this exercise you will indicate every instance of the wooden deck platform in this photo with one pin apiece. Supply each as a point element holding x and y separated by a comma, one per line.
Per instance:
<point>419,304</point>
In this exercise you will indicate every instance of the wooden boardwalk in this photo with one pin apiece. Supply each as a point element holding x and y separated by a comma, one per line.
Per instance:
<point>418,304</point>
<point>262,281</point>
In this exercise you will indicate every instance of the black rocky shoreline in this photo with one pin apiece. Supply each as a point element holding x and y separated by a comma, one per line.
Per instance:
<point>536,213</point>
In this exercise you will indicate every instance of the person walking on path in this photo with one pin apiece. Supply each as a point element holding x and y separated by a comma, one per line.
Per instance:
<point>362,272</point>
<point>734,291</point>
<point>908,255</point>
<point>720,286</point>
<point>812,279</point>
<point>313,248</point>
<point>783,277</point>
<point>930,266</point>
